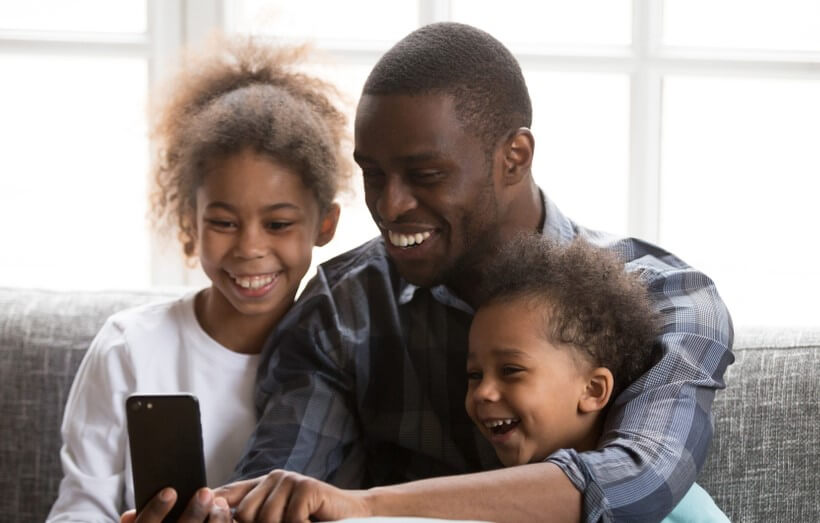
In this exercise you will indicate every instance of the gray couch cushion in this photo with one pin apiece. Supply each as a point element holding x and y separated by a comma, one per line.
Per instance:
<point>43,336</point>
<point>764,464</point>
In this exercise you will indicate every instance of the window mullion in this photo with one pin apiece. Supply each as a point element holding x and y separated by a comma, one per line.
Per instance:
<point>431,11</point>
<point>645,123</point>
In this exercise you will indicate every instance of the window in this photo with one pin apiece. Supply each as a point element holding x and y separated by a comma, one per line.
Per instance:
<point>690,123</point>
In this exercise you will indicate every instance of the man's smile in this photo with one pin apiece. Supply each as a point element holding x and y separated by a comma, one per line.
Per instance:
<point>407,240</point>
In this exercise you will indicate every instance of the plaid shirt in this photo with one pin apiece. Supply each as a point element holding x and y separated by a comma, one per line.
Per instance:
<point>363,384</point>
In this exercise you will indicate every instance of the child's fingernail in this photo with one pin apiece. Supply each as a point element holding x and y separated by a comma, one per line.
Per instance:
<point>166,495</point>
<point>221,503</point>
<point>204,495</point>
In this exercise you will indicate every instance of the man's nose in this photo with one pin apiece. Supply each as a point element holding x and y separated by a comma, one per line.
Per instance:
<point>251,243</point>
<point>395,199</point>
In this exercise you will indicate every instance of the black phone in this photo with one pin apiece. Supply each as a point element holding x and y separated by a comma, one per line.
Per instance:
<point>165,436</point>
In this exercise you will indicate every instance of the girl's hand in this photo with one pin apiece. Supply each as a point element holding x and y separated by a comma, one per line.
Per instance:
<point>202,507</point>
<point>291,497</point>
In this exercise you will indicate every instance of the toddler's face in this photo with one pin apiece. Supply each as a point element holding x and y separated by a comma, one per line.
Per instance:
<point>522,391</point>
<point>257,224</point>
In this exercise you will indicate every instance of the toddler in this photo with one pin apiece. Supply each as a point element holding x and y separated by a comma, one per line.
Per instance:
<point>559,332</point>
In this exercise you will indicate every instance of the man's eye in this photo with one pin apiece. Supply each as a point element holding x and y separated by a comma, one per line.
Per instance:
<point>371,174</point>
<point>426,175</point>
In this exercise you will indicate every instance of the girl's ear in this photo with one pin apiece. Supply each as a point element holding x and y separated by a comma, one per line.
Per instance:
<point>327,228</point>
<point>597,391</point>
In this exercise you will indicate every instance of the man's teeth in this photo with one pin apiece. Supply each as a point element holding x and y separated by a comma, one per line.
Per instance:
<point>253,282</point>
<point>405,240</point>
<point>499,422</point>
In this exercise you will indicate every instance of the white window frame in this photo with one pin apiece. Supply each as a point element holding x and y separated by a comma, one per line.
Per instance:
<point>175,24</point>
<point>646,61</point>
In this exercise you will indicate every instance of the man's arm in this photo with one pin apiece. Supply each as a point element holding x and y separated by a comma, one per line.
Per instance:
<point>658,430</point>
<point>303,394</point>
<point>654,441</point>
<point>515,494</point>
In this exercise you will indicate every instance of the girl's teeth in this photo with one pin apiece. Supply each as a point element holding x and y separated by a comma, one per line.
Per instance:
<point>253,282</point>
<point>407,240</point>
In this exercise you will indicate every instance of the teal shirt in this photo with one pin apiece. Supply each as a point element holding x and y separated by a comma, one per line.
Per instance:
<point>697,506</point>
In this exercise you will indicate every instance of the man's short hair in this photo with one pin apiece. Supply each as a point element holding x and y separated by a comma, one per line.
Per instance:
<point>590,303</point>
<point>482,76</point>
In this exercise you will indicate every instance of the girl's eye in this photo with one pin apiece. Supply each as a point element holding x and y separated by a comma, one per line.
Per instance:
<point>509,370</point>
<point>277,226</point>
<point>220,224</point>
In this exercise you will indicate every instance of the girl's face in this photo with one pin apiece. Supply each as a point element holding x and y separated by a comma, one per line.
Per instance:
<point>257,224</point>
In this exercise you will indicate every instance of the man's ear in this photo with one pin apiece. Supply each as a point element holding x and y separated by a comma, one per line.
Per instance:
<point>597,391</point>
<point>518,152</point>
<point>328,226</point>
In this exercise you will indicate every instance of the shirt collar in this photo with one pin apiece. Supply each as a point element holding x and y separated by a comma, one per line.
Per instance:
<point>556,226</point>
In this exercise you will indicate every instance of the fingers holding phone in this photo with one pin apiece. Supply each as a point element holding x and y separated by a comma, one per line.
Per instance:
<point>202,507</point>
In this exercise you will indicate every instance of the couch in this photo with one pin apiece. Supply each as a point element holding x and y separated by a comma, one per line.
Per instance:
<point>764,464</point>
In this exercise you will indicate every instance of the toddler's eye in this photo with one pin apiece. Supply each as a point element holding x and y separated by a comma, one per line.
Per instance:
<point>473,375</point>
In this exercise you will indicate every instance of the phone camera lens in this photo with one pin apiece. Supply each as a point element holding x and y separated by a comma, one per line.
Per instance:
<point>136,405</point>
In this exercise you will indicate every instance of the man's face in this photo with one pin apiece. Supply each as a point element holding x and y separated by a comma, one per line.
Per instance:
<point>522,391</point>
<point>428,185</point>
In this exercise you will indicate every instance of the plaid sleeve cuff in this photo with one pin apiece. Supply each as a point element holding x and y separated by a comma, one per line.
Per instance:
<point>595,506</point>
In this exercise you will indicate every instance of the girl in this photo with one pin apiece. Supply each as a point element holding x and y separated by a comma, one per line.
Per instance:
<point>251,161</point>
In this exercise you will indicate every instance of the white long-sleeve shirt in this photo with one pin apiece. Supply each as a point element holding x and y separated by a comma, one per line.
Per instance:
<point>155,348</point>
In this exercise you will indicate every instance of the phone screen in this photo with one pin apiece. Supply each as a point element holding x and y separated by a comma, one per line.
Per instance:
<point>165,436</point>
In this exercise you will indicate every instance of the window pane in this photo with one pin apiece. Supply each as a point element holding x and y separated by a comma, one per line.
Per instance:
<point>74,170</point>
<point>106,16</point>
<point>355,223</point>
<point>371,20</point>
<point>550,22</point>
<point>741,175</point>
<point>743,24</point>
<point>581,129</point>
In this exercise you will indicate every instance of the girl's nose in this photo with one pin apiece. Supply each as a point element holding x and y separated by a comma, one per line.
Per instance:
<point>251,243</point>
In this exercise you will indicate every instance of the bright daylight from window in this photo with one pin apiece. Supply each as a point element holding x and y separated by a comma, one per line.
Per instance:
<point>693,124</point>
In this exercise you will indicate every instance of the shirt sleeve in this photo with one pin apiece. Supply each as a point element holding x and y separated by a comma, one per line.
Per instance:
<point>94,433</point>
<point>303,397</point>
<point>658,430</point>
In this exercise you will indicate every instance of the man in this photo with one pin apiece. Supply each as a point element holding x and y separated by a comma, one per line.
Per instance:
<point>363,383</point>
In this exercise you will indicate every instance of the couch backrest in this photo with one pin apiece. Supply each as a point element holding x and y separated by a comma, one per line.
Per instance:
<point>764,464</point>
<point>43,336</point>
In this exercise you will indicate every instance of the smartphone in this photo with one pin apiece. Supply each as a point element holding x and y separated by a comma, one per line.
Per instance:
<point>165,436</point>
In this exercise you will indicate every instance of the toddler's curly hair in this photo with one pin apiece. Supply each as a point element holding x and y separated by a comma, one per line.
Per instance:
<point>240,93</point>
<point>590,303</point>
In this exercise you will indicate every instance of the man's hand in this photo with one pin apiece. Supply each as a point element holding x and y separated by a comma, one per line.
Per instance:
<point>203,506</point>
<point>288,496</point>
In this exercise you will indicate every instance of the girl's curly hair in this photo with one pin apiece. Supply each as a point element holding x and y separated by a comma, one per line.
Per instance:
<point>239,93</point>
